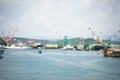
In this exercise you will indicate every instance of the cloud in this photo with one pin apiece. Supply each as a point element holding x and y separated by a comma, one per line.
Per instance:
<point>85,2</point>
<point>69,17</point>
<point>2,18</point>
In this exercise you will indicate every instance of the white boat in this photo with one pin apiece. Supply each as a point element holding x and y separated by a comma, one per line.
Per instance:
<point>16,47</point>
<point>68,47</point>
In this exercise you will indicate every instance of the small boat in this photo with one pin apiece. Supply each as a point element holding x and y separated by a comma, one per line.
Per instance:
<point>68,47</point>
<point>111,52</point>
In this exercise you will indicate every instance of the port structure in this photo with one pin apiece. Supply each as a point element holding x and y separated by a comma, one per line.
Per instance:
<point>96,37</point>
<point>112,38</point>
<point>8,39</point>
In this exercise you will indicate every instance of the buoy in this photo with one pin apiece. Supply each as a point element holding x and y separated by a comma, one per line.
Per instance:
<point>40,51</point>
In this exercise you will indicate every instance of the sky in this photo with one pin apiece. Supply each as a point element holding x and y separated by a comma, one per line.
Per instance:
<point>50,19</point>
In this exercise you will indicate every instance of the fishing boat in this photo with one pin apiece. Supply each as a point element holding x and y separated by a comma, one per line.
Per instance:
<point>111,52</point>
<point>17,45</point>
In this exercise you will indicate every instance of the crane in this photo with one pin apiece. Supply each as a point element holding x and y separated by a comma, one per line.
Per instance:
<point>97,38</point>
<point>11,36</point>
<point>64,38</point>
<point>4,37</point>
<point>93,33</point>
<point>59,35</point>
<point>8,38</point>
<point>114,36</point>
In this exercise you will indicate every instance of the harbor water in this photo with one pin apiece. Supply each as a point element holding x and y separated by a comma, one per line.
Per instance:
<point>58,65</point>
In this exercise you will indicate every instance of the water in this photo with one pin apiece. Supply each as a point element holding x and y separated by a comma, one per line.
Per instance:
<point>58,65</point>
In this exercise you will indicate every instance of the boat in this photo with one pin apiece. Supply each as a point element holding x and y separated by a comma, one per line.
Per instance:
<point>68,47</point>
<point>16,47</point>
<point>111,52</point>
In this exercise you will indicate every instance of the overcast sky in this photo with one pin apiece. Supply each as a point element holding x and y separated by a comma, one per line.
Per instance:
<point>52,18</point>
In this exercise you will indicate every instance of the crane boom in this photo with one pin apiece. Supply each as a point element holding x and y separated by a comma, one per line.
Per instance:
<point>59,35</point>
<point>97,38</point>
<point>14,32</point>
<point>93,33</point>
<point>117,33</point>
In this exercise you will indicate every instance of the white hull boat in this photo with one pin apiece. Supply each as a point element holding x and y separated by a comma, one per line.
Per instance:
<point>16,47</point>
<point>68,47</point>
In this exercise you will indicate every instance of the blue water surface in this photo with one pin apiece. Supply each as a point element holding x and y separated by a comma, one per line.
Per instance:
<point>58,65</point>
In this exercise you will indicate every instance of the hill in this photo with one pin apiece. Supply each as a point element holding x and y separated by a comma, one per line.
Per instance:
<point>71,41</point>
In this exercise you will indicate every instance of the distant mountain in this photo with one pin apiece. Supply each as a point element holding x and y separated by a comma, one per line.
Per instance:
<point>24,40</point>
<point>71,41</point>
<point>114,42</point>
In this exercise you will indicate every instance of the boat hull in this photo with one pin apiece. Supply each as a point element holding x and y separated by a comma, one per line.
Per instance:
<point>16,47</point>
<point>68,48</point>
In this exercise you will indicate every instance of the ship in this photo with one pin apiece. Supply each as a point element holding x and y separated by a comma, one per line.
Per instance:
<point>16,47</point>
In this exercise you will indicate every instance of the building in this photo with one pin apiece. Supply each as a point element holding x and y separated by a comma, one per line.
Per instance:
<point>51,46</point>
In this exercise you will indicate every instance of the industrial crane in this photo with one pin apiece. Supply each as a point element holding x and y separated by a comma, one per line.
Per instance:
<point>64,38</point>
<point>8,38</point>
<point>59,35</point>
<point>4,37</point>
<point>114,36</point>
<point>97,38</point>
<point>11,36</point>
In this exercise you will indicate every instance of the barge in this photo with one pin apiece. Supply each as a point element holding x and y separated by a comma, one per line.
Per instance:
<point>111,52</point>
